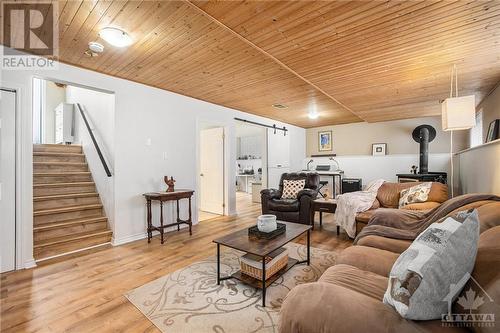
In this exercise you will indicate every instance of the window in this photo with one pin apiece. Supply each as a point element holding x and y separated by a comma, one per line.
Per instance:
<point>476,132</point>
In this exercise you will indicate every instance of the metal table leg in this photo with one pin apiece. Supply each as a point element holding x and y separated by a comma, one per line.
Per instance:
<point>263,281</point>
<point>308,247</point>
<point>218,264</point>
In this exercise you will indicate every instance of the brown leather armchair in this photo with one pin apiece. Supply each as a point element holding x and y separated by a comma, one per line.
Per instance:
<point>291,210</point>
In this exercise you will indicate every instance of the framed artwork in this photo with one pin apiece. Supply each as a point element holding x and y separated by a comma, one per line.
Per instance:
<point>379,149</point>
<point>493,130</point>
<point>325,141</point>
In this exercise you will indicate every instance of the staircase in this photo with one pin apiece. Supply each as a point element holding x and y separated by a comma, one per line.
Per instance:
<point>68,215</point>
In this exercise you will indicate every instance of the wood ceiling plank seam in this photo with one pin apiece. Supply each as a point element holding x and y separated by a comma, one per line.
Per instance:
<point>85,8</point>
<point>436,73</point>
<point>385,16</point>
<point>301,32</point>
<point>235,67</point>
<point>412,54</point>
<point>403,49</point>
<point>92,34</point>
<point>178,50</point>
<point>377,43</point>
<point>294,21</point>
<point>378,38</point>
<point>68,15</point>
<point>431,95</point>
<point>264,18</point>
<point>168,33</point>
<point>62,5</point>
<point>148,33</point>
<point>352,87</point>
<point>75,43</point>
<point>275,59</point>
<point>446,62</point>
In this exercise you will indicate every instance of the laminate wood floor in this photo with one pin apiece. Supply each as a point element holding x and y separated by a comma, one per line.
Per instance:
<point>85,293</point>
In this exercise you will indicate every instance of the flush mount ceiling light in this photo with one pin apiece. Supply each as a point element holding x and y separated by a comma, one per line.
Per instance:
<point>115,36</point>
<point>96,47</point>
<point>313,112</point>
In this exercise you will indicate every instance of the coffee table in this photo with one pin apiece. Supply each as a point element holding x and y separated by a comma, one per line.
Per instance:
<point>240,240</point>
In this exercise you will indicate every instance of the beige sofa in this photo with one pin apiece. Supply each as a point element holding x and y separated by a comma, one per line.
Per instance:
<point>348,296</point>
<point>388,198</point>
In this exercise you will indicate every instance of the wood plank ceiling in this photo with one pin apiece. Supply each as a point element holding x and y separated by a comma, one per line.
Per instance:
<point>354,60</point>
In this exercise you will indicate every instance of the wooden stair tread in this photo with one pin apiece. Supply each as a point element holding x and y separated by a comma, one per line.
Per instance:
<point>69,238</point>
<point>66,196</point>
<point>55,225</point>
<point>71,173</point>
<point>60,163</point>
<point>51,153</point>
<point>66,209</point>
<point>75,184</point>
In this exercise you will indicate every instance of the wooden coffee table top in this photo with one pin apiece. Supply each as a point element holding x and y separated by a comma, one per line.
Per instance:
<point>240,240</point>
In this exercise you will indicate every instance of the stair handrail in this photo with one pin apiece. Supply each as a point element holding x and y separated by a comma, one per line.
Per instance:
<point>96,145</point>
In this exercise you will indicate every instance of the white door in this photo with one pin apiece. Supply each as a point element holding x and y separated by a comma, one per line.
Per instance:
<point>212,170</point>
<point>278,149</point>
<point>7,181</point>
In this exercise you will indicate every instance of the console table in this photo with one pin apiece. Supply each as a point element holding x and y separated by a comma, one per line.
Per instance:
<point>163,197</point>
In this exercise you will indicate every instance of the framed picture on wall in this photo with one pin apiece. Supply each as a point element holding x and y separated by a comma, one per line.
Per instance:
<point>379,149</point>
<point>325,141</point>
<point>493,130</point>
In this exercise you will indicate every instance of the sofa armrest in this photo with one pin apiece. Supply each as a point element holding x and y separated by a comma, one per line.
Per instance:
<point>308,192</point>
<point>324,307</point>
<point>421,205</point>
<point>270,193</point>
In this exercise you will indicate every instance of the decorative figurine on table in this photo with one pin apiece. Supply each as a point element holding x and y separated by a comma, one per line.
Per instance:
<point>170,183</point>
<point>327,195</point>
<point>414,169</point>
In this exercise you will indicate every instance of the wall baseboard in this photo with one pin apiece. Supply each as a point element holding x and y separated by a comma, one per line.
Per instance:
<point>30,263</point>
<point>142,235</point>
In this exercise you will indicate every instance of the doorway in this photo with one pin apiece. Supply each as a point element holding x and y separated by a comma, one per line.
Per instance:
<point>8,180</point>
<point>251,165</point>
<point>211,173</point>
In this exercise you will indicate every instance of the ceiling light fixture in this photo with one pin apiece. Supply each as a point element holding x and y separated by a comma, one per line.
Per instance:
<point>115,36</point>
<point>313,111</point>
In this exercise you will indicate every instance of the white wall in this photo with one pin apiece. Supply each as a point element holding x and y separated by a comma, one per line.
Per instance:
<point>171,122</point>
<point>99,108</point>
<point>357,138</point>
<point>54,96</point>
<point>479,169</point>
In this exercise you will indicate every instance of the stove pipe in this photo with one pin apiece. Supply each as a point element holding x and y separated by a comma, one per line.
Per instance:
<point>424,134</point>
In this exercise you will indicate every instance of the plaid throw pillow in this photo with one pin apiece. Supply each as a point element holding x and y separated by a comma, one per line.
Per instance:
<point>292,187</point>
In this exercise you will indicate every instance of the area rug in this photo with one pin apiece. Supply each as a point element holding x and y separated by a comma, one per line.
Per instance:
<point>189,300</point>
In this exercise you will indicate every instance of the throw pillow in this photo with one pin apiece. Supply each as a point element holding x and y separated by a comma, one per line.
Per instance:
<point>292,187</point>
<point>430,273</point>
<point>414,194</point>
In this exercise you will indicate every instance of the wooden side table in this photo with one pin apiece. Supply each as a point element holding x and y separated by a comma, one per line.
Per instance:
<point>163,197</point>
<point>323,206</point>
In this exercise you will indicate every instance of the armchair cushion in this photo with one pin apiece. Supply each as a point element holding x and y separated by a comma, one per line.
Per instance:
<point>307,192</point>
<point>271,193</point>
<point>284,205</point>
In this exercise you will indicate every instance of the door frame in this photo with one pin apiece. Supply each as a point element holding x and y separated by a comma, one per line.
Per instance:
<point>23,179</point>
<point>225,177</point>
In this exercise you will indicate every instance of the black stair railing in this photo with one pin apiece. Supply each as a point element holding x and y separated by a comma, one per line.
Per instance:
<point>96,145</point>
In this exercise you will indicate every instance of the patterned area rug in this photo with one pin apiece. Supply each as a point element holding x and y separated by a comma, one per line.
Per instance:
<point>189,300</point>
